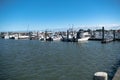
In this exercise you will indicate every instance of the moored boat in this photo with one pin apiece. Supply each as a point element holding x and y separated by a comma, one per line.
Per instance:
<point>84,36</point>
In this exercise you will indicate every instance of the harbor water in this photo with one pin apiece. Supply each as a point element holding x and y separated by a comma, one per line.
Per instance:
<point>36,60</point>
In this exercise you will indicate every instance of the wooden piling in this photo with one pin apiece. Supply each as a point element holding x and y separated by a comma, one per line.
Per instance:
<point>103,34</point>
<point>114,38</point>
<point>67,34</point>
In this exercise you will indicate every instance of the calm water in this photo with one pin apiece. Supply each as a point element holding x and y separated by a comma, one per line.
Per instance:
<point>35,60</point>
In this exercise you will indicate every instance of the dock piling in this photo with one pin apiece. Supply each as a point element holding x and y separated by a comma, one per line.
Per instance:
<point>114,38</point>
<point>103,34</point>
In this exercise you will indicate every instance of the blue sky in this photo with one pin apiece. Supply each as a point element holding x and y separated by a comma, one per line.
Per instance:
<point>17,15</point>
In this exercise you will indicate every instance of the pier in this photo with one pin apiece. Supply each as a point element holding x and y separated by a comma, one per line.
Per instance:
<point>117,75</point>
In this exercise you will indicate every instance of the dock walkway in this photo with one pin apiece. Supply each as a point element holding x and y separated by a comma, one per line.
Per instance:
<point>117,75</point>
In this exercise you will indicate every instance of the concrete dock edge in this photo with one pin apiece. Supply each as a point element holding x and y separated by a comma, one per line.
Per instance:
<point>117,75</point>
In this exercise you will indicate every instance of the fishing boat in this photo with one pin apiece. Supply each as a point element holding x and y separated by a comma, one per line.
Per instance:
<point>6,36</point>
<point>79,36</point>
<point>82,36</point>
<point>56,38</point>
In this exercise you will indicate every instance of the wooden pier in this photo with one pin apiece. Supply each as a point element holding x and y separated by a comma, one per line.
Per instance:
<point>117,75</point>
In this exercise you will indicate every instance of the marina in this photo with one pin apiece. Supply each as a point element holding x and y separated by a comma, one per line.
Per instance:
<point>59,40</point>
<point>70,35</point>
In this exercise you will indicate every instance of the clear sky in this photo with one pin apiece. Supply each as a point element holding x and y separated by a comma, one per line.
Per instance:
<point>22,15</point>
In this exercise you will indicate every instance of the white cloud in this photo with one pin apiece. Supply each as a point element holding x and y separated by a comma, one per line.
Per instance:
<point>99,26</point>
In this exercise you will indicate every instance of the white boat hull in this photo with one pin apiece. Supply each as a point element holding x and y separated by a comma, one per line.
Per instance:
<point>6,37</point>
<point>56,39</point>
<point>83,39</point>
